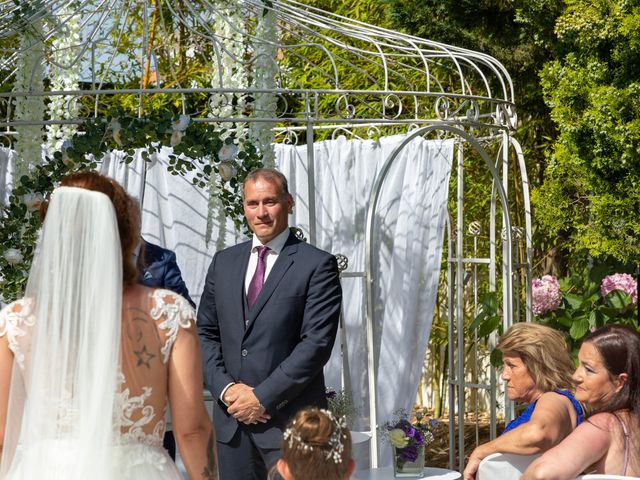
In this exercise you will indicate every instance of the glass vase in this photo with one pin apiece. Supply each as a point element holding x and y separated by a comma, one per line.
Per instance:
<point>408,461</point>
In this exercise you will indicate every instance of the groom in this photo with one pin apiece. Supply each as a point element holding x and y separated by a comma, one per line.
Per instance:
<point>267,321</point>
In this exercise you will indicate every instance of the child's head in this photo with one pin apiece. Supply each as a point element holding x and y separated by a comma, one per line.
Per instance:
<point>316,446</point>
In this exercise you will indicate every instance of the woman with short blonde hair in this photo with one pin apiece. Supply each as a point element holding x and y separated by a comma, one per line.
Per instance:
<point>537,369</point>
<point>544,351</point>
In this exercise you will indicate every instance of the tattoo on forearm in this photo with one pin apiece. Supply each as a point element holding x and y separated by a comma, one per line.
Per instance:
<point>210,472</point>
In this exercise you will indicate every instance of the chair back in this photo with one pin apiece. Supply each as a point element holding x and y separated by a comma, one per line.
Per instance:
<point>505,466</point>
<point>604,476</point>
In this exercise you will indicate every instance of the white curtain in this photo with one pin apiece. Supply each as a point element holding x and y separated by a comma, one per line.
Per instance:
<point>7,170</point>
<point>174,213</point>
<point>409,232</point>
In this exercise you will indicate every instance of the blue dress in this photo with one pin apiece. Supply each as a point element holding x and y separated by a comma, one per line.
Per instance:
<point>526,415</point>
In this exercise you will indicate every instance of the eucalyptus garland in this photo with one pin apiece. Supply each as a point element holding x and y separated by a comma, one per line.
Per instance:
<point>200,149</point>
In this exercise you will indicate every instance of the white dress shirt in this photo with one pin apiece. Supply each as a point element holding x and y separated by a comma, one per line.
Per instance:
<point>275,247</point>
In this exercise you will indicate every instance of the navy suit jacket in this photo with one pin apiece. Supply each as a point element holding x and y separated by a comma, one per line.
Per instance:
<point>287,339</point>
<point>158,268</point>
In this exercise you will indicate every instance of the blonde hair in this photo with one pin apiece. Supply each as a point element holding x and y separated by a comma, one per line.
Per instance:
<point>545,353</point>
<point>317,446</point>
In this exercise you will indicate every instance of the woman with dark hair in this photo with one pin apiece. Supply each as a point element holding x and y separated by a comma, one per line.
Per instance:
<point>89,358</point>
<point>608,382</point>
<point>316,446</point>
<point>537,370</point>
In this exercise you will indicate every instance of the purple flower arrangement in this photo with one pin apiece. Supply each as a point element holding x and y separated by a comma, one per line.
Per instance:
<point>340,403</point>
<point>407,437</point>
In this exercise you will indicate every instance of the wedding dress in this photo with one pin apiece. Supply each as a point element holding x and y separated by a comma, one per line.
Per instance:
<point>90,363</point>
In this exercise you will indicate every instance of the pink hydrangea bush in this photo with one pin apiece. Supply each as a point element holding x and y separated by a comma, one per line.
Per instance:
<point>546,294</point>
<point>620,281</point>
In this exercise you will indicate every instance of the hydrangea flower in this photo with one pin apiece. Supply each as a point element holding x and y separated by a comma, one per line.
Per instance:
<point>32,200</point>
<point>620,281</point>
<point>546,294</point>
<point>13,256</point>
<point>227,152</point>
<point>227,171</point>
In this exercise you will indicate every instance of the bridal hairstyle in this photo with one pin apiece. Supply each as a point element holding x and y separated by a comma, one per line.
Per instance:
<point>544,351</point>
<point>125,207</point>
<point>619,347</point>
<point>316,446</point>
<point>62,416</point>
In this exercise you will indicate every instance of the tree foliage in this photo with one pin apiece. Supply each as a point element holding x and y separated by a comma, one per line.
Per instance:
<point>577,78</point>
<point>591,192</point>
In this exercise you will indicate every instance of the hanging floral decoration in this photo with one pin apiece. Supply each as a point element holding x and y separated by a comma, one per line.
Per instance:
<point>265,68</point>
<point>210,155</point>
<point>63,77</point>
<point>29,77</point>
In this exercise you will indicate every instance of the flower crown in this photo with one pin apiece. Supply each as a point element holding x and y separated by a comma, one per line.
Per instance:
<point>335,442</point>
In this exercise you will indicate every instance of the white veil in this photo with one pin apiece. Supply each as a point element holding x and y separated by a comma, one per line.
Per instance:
<point>60,419</point>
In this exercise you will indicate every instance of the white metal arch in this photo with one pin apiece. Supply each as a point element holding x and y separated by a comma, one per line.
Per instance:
<point>405,83</point>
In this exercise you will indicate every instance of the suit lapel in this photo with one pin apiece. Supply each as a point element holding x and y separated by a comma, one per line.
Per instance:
<point>283,263</point>
<point>236,283</point>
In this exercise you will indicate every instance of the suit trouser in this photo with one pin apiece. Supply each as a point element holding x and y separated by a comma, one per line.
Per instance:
<point>242,459</point>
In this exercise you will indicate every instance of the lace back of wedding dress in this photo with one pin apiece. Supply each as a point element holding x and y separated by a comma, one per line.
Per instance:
<point>66,358</point>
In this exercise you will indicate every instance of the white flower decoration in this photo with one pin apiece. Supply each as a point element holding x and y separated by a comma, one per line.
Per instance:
<point>115,128</point>
<point>32,200</point>
<point>227,171</point>
<point>182,123</point>
<point>176,138</point>
<point>229,151</point>
<point>13,256</point>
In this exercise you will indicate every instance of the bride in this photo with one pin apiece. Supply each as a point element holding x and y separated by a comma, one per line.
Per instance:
<point>89,358</point>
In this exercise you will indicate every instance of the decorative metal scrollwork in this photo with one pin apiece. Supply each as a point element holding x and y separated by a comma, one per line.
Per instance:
<point>505,116</point>
<point>221,104</point>
<point>517,233</point>
<point>6,140</point>
<point>298,233</point>
<point>373,132</point>
<point>473,112</point>
<point>475,228</point>
<point>343,262</point>
<point>445,111</point>
<point>290,138</point>
<point>392,102</point>
<point>344,108</point>
<point>442,108</point>
<point>283,105</point>
<point>79,105</point>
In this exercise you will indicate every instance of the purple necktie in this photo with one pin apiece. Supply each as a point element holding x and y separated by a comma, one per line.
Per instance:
<point>258,277</point>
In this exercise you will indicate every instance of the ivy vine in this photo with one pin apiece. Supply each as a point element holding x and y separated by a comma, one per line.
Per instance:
<point>216,158</point>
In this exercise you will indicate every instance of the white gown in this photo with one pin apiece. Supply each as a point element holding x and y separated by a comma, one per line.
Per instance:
<point>151,322</point>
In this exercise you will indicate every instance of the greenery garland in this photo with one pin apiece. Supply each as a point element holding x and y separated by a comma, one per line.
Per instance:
<point>201,149</point>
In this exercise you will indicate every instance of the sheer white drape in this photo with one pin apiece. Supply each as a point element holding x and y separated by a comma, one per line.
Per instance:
<point>7,169</point>
<point>66,354</point>
<point>409,237</point>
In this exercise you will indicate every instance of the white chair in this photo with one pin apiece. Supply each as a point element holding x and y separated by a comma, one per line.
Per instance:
<point>505,466</point>
<point>603,476</point>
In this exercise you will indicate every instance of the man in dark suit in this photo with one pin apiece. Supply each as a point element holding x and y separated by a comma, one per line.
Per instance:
<point>159,269</point>
<point>267,322</point>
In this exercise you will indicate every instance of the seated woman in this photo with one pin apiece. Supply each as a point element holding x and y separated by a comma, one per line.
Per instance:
<point>608,382</point>
<point>537,368</point>
<point>316,446</point>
